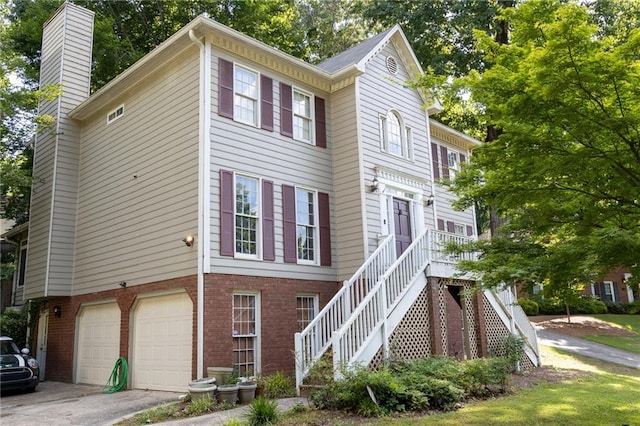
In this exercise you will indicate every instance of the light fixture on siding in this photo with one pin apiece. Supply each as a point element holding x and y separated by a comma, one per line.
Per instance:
<point>429,200</point>
<point>123,284</point>
<point>375,185</point>
<point>57,311</point>
<point>188,241</point>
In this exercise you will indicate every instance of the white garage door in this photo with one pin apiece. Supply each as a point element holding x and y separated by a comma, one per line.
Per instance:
<point>162,343</point>
<point>98,342</point>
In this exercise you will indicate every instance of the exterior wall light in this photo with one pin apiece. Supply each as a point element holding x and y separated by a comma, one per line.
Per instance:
<point>375,184</point>
<point>57,311</point>
<point>188,241</point>
<point>430,200</point>
<point>123,284</point>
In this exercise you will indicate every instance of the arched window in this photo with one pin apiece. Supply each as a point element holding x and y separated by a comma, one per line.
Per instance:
<point>394,135</point>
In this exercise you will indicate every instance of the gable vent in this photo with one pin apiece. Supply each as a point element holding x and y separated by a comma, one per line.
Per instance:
<point>392,65</point>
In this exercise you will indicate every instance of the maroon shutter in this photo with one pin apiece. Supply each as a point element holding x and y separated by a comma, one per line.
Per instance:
<point>225,88</point>
<point>469,230</point>
<point>321,124</point>
<point>444,160</point>
<point>268,225</point>
<point>227,227</point>
<point>434,161</point>
<point>289,223</point>
<point>463,159</point>
<point>286,111</point>
<point>451,227</point>
<point>266,102</point>
<point>440,225</point>
<point>325,229</point>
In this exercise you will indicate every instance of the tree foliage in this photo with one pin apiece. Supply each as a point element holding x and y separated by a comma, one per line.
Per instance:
<point>565,171</point>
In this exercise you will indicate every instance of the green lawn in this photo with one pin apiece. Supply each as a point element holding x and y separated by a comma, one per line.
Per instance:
<point>629,322</point>
<point>610,395</point>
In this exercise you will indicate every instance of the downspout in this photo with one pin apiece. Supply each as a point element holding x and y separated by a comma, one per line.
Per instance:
<point>204,144</point>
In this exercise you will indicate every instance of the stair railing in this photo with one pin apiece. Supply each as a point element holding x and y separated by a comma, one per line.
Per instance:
<point>371,314</point>
<point>315,339</point>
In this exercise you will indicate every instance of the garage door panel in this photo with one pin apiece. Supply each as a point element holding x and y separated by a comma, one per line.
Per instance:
<point>162,347</point>
<point>98,343</point>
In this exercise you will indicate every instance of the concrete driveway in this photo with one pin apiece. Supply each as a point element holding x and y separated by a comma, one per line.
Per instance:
<point>56,403</point>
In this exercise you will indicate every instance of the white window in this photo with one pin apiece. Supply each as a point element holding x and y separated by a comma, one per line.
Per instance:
<point>301,116</point>
<point>454,163</point>
<point>607,292</point>
<point>246,333</point>
<point>115,114</point>
<point>307,309</point>
<point>306,225</point>
<point>247,215</point>
<point>395,137</point>
<point>245,99</point>
<point>22,263</point>
<point>459,229</point>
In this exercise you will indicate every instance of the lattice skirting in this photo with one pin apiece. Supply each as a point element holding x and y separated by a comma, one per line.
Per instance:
<point>497,331</point>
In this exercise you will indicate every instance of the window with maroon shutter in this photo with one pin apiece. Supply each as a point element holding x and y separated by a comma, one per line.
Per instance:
<point>469,230</point>
<point>434,161</point>
<point>286,110</point>
<point>444,161</point>
<point>266,102</point>
<point>289,223</point>
<point>268,222</point>
<point>440,225</point>
<point>227,226</point>
<point>325,230</point>
<point>463,159</point>
<point>451,227</point>
<point>225,88</point>
<point>321,125</point>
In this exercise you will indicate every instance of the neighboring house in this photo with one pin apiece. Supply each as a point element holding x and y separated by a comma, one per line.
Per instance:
<point>219,197</point>
<point>614,287</point>
<point>14,240</point>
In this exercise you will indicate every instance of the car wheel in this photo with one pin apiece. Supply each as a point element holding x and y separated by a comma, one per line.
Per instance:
<point>32,389</point>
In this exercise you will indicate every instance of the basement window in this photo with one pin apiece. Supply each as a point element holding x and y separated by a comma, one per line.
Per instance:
<point>115,114</point>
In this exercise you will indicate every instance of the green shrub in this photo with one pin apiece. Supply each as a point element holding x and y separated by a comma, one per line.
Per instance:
<point>441,394</point>
<point>529,307</point>
<point>617,307</point>
<point>369,393</point>
<point>487,376</point>
<point>278,385</point>
<point>550,307</point>
<point>634,308</point>
<point>14,324</point>
<point>201,406</point>
<point>262,412</point>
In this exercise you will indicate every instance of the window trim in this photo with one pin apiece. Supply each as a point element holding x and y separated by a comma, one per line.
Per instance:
<point>311,118</point>
<point>256,100</point>
<point>22,264</point>
<point>259,218</point>
<point>316,227</point>
<point>608,284</point>
<point>257,331</point>
<point>315,299</point>
<point>406,135</point>
<point>115,114</point>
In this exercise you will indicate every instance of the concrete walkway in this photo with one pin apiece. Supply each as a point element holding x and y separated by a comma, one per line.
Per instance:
<point>221,417</point>
<point>586,348</point>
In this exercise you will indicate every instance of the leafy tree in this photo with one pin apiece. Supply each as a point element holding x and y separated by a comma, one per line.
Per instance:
<point>565,169</point>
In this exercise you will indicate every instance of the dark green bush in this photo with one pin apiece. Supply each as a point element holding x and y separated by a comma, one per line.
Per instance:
<point>487,376</point>
<point>617,307</point>
<point>634,308</point>
<point>441,394</point>
<point>354,394</point>
<point>14,324</point>
<point>550,307</point>
<point>529,307</point>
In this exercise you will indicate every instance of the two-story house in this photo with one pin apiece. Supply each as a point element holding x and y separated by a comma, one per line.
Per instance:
<point>221,203</point>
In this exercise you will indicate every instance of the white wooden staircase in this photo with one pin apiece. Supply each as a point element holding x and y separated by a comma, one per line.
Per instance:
<point>360,318</point>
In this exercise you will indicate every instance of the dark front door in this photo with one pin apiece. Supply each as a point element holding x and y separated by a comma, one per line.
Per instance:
<point>402,224</point>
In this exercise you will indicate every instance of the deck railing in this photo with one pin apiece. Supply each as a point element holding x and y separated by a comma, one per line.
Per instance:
<point>315,339</point>
<point>516,313</point>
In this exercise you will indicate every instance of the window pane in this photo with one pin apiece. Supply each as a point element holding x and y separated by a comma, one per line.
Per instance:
<point>306,229</point>
<point>306,310</point>
<point>246,96</point>
<point>247,215</point>
<point>301,116</point>
<point>394,134</point>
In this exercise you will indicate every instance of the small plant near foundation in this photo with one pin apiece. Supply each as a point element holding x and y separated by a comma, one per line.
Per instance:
<point>262,412</point>
<point>278,385</point>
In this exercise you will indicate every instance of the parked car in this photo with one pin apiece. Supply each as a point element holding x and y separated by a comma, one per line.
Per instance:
<point>18,370</point>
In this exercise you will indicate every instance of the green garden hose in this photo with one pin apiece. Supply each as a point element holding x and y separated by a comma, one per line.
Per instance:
<point>118,379</point>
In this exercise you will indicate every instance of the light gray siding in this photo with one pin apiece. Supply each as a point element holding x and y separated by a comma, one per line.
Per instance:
<point>381,91</point>
<point>348,182</point>
<point>138,193</point>
<point>246,149</point>
<point>66,59</point>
